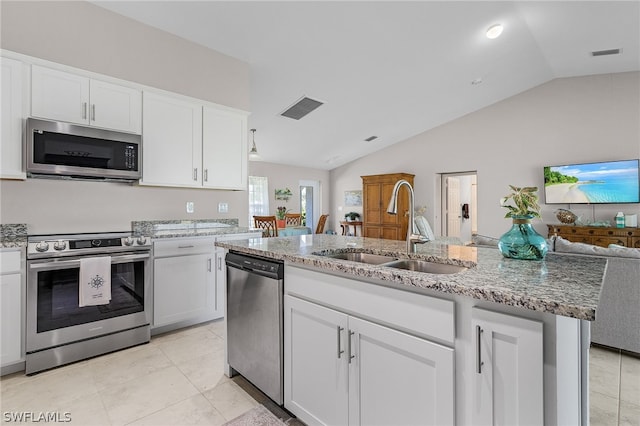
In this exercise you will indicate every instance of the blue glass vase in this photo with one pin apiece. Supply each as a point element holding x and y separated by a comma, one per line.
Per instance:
<point>522,241</point>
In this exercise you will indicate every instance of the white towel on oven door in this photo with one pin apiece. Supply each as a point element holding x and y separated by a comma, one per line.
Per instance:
<point>95,281</point>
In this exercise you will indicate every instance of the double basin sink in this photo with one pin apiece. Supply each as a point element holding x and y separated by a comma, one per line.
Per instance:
<point>415,265</point>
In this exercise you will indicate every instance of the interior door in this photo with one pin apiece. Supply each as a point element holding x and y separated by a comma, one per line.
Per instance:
<point>453,207</point>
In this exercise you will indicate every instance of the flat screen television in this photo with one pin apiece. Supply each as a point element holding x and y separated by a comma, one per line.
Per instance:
<point>607,182</point>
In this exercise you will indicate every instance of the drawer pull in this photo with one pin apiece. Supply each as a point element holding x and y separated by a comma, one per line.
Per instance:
<point>191,246</point>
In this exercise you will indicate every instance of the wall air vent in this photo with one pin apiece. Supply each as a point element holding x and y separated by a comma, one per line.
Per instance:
<point>606,52</point>
<point>370,138</point>
<point>301,108</point>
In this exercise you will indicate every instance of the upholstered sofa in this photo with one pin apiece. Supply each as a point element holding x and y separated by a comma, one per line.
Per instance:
<point>617,323</point>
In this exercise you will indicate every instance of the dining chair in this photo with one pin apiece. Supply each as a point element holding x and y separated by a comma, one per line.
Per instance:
<point>321,222</point>
<point>267,224</point>
<point>293,219</point>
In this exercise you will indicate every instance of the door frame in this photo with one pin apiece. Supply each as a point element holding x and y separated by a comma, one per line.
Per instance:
<point>317,200</point>
<point>442,198</point>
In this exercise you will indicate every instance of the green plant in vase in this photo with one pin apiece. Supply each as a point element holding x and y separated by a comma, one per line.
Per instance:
<point>522,241</point>
<point>280,212</point>
<point>352,216</point>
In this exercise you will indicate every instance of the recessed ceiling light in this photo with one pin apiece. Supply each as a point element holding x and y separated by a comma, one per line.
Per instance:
<point>370,138</point>
<point>494,31</point>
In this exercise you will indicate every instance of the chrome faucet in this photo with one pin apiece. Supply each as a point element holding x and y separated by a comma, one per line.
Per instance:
<point>413,237</point>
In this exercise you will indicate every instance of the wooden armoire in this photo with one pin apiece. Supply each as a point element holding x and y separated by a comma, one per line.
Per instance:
<point>376,194</point>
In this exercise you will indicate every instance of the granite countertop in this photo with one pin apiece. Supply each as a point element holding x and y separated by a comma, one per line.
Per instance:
<point>187,228</point>
<point>561,285</point>
<point>13,235</point>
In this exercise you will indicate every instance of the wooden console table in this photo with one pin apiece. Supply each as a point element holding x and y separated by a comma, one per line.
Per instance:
<point>346,224</point>
<point>596,235</point>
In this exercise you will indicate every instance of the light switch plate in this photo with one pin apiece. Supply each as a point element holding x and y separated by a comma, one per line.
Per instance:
<point>223,208</point>
<point>190,206</point>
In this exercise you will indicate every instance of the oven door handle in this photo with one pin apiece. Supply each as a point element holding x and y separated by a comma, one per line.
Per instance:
<point>62,264</point>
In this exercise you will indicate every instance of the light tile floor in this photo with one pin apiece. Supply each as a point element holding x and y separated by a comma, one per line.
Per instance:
<point>614,384</point>
<point>178,379</point>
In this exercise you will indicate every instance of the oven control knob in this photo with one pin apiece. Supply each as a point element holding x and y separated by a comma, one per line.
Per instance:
<point>128,241</point>
<point>60,245</point>
<point>96,243</point>
<point>42,246</point>
<point>142,240</point>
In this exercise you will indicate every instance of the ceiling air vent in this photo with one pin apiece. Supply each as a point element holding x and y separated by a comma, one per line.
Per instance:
<point>301,108</point>
<point>606,52</point>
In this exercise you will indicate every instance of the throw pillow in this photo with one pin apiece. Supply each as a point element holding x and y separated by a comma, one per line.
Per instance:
<point>481,240</point>
<point>423,227</point>
<point>565,246</point>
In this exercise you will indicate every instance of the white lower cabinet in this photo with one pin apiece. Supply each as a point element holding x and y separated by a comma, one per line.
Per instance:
<point>344,370</point>
<point>183,281</point>
<point>11,311</point>
<point>508,379</point>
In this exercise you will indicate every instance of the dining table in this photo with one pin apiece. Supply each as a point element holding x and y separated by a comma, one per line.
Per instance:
<point>293,230</point>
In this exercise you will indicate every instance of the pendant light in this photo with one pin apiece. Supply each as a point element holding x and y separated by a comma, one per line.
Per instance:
<point>253,154</point>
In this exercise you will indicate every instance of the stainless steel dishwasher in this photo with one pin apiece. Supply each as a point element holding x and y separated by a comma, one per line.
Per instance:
<point>255,321</point>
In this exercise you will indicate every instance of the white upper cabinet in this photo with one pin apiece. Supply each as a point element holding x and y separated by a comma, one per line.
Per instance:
<point>172,141</point>
<point>12,120</point>
<point>188,144</point>
<point>115,107</point>
<point>59,95</point>
<point>224,149</point>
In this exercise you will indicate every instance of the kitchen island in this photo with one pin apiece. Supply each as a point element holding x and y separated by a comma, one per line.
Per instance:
<point>504,341</point>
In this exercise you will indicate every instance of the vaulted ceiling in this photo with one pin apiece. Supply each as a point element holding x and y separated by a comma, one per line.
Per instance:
<point>391,69</point>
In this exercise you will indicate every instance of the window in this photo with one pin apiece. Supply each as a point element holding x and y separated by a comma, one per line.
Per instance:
<point>258,197</point>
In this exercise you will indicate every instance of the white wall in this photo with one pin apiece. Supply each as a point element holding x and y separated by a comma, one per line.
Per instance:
<point>581,119</point>
<point>281,176</point>
<point>85,36</point>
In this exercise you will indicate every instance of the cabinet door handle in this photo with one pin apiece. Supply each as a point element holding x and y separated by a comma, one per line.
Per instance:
<point>209,264</point>
<point>479,362</point>
<point>93,112</point>
<point>340,351</point>
<point>195,173</point>
<point>351,356</point>
<point>185,246</point>
<point>84,110</point>
<point>206,175</point>
<point>219,264</point>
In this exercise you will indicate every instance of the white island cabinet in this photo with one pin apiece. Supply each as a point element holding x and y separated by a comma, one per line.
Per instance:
<point>63,96</point>
<point>343,366</point>
<point>508,385</point>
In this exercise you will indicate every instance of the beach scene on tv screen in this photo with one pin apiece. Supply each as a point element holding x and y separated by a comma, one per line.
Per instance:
<point>607,182</point>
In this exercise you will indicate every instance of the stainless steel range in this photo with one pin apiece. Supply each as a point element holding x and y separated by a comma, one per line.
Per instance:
<point>63,324</point>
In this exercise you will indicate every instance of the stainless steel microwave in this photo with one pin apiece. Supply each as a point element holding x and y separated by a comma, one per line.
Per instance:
<point>56,149</point>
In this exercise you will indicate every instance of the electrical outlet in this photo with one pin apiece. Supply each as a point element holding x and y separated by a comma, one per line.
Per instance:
<point>190,207</point>
<point>223,208</point>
